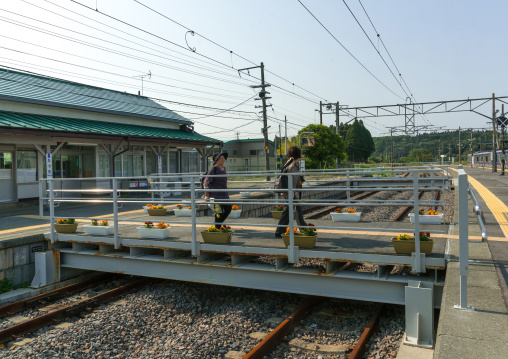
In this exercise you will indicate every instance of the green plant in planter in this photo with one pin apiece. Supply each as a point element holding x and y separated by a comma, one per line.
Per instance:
<point>66,221</point>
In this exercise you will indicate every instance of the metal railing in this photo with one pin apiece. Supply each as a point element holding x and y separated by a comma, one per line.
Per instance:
<point>478,213</point>
<point>351,182</point>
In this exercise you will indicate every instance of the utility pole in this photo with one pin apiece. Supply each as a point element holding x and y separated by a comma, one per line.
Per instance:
<point>263,98</point>
<point>391,137</point>
<point>471,148</point>
<point>449,153</point>
<point>337,115</point>
<point>460,152</point>
<point>320,112</point>
<point>280,148</point>
<point>494,159</point>
<point>286,134</point>
<point>262,94</point>
<point>503,154</point>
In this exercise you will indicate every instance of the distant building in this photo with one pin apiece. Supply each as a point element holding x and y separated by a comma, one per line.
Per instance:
<point>87,132</point>
<point>248,155</point>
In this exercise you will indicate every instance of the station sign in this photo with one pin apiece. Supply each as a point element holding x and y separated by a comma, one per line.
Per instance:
<point>49,165</point>
<point>159,162</point>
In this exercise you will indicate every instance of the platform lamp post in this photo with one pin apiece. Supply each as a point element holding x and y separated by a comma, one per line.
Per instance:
<point>302,162</point>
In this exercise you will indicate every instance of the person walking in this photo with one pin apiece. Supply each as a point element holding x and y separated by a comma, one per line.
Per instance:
<point>292,165</point>
<point>222,211</point>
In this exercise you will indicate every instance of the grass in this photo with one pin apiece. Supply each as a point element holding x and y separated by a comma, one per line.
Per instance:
<point>6,285</point>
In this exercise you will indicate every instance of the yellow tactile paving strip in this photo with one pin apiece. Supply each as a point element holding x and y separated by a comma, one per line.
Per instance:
<point>496,206</point>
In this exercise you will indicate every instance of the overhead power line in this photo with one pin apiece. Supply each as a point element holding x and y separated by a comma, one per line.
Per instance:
<point>349,52</point>
<point>180,46</point>
<point>222,47</point>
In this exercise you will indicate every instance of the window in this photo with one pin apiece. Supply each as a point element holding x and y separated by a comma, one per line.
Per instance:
<point>27,166</point>
<point>252,152</point>
<point>256,152</point>
<point>235,152</point>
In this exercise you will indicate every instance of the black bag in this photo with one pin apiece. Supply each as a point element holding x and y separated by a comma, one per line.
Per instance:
<point>282,181</point>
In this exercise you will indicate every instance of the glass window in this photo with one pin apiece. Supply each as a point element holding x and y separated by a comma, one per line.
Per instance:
<point>252,152</point>
<point>193,162</point>
<point>118,166</point>
<point>88,165</point>
<point>27,166</point>
<point>127,165</point>
<point>70,165</point>
<point>185,162</point>
<point>104,166</point>
<point>137,165</point>
<point>173,161</point>
<point>151,162</point>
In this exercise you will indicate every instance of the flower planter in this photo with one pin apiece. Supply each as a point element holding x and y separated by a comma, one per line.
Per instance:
<point>245,194</point>
<point>408,246</point>
<point>235,214</point>
<point>277,214</point>
<point>184,212</point>
<point>154,233</point>
<point>98,230</point>
<point>427,218</point>
<point>66,228</point>
<point>346,217</point>
<point>157,212</point>
<point>216,237</point>
<point>300,240</point>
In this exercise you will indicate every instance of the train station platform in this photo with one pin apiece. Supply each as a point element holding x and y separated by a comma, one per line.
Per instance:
<point>482,332</point>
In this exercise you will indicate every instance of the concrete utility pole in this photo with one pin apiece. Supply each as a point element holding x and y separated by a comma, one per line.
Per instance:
<point>471,148</point>
<point>320,112</point>
<point>263,98</point>
<point>460,151</point>
<point>503,154</point>
<point>286,134</point>
<point>337,115</point>
<point>494,159</point>
<point>262,94</point>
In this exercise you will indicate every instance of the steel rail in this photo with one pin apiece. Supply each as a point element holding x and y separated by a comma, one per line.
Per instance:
<point>16,307</point>
<point>16,331</point>
<point>367,333</point>
<point>272,340</point>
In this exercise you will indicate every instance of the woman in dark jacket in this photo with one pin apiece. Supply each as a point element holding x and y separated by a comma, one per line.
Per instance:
<point>212,183</point>
<point>292,165</point>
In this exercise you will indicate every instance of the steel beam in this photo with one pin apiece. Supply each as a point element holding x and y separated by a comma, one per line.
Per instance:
<point>350,285</point>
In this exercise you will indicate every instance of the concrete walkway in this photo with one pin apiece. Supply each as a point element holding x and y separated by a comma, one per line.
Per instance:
<point>482,333</point>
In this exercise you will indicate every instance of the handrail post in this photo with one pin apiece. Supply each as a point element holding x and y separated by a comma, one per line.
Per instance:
<point>348,184</point>
<point>417,255</point>
<point>52,210</point>
<point>292,256</point>
<point>463,239</point>
<point>115,213</point>
<point>41,200</point>
<point>195,244</point>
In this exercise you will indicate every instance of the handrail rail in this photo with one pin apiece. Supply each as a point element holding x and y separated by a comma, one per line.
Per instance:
<point>478,213</point>
<point>290,201</point>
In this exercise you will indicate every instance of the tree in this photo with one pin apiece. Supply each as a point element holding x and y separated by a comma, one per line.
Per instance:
<point>359,142</point>
<point>420,155</point>
<point>327,148</point>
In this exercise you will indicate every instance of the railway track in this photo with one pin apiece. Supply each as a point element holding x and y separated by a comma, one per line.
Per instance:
<point>56,316</point>
<point>317,211</point>
<point>279,334</point>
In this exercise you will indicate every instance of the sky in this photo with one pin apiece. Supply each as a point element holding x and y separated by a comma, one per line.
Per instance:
<point>444,50</point>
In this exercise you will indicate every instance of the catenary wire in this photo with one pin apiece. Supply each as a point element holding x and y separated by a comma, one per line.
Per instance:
<point>349,52</point>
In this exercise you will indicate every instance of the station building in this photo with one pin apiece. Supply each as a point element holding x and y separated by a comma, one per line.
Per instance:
<point>248,154</point>
<point>62,129</point>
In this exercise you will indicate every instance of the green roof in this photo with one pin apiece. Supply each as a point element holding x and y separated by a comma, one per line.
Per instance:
<point>23,123</point>
<point>43,90</point>
<point>250,140</point>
